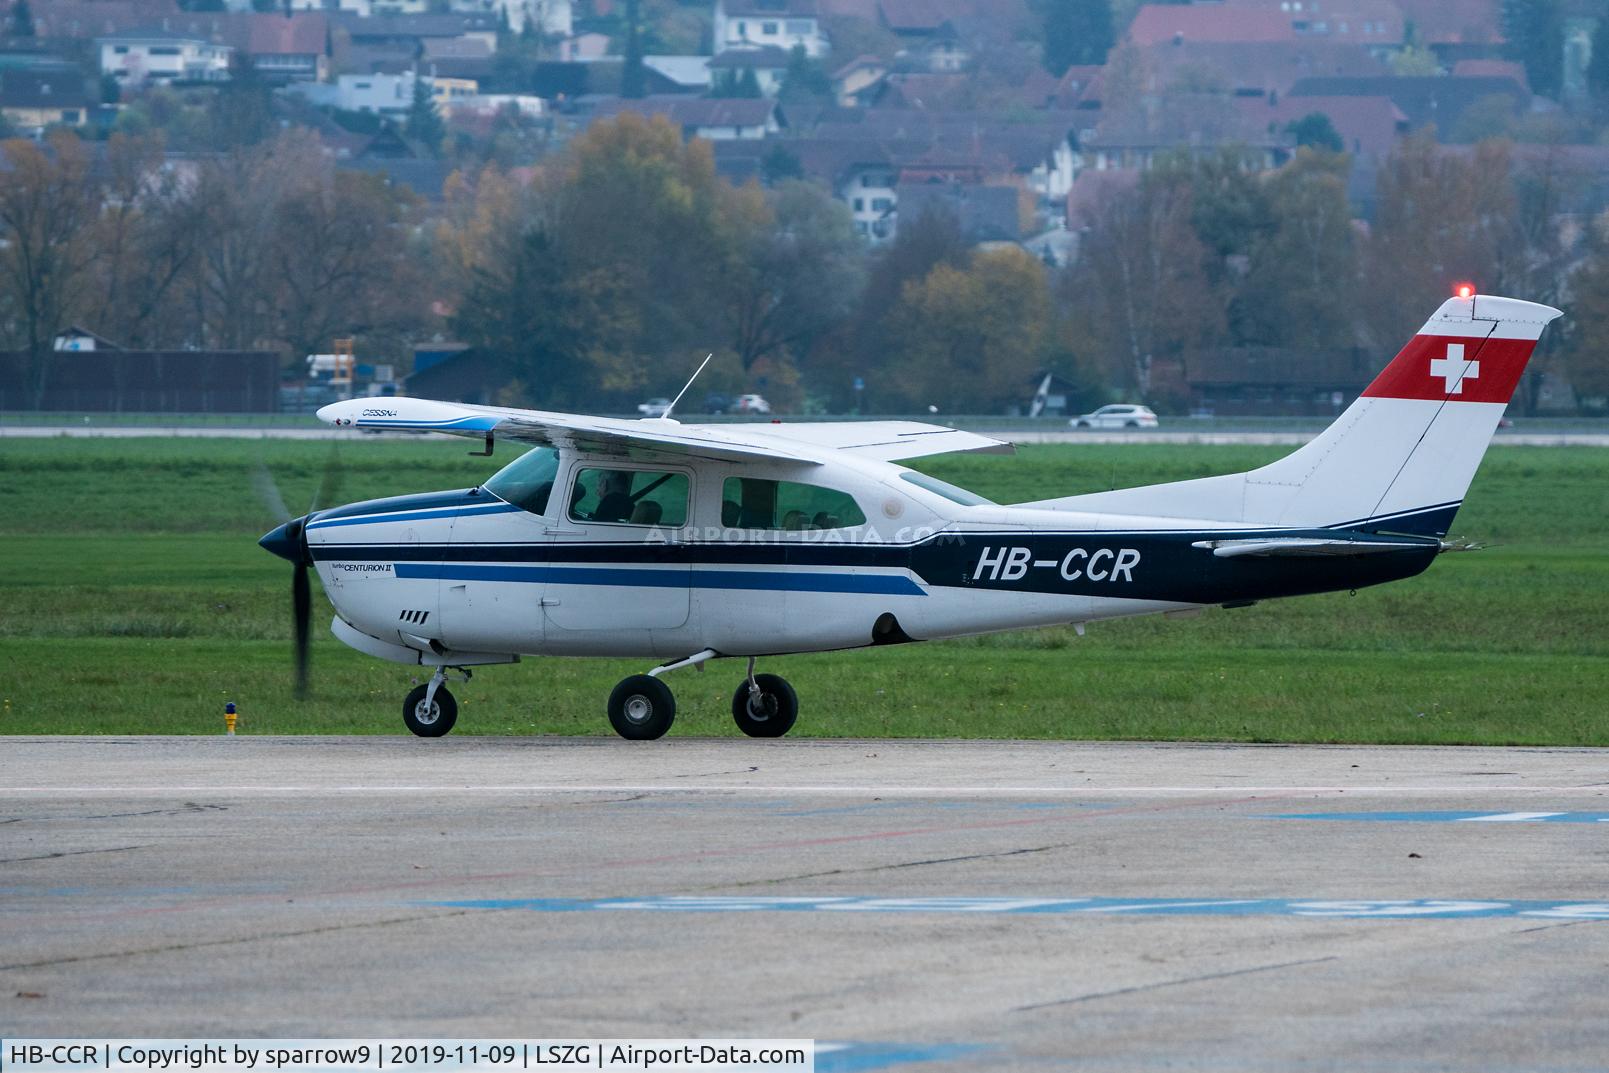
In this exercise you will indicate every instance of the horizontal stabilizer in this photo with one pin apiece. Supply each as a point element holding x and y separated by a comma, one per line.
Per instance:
<point>1304,547</point>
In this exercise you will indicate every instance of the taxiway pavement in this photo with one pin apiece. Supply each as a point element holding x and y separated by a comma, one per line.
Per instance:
<point>940,905</point>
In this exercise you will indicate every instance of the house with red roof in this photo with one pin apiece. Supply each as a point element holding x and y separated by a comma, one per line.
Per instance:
<point>1156,24</point>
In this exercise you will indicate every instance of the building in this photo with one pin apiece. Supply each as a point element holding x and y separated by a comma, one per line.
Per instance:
<point>711,118</point>
<point>293,48</point>
<point>138,57</point>
<point>385,94</point>
<point>109,379</point>
<point>1277,381</point>
<point>777,23</point>
<point>34,98</point>
<point>1156,24</point>
<point>768,63</point>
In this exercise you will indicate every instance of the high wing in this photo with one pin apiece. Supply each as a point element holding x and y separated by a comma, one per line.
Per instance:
<point>801,442</point>
<point>659,437</point>
<point>886,441</point>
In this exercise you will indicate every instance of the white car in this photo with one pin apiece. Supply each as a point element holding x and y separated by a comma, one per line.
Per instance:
<point>653,407</point>
<point>751,404</point>
<point>1118,415</point>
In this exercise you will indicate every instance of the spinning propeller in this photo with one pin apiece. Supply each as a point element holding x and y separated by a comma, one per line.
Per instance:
<point>289,542</point>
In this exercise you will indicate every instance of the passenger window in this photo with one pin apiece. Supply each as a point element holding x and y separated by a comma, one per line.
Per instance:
<point>630,497</point>
<point>527,482</point>
<point>751,503</point>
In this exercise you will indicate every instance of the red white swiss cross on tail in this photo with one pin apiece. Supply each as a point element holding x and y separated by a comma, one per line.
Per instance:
<point>1400,458</point>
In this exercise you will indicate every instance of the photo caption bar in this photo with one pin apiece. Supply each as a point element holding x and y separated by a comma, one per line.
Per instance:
<point>406,1055</point>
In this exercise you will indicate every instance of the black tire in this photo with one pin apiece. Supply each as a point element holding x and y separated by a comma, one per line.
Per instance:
<point>1132,424</point>
<point>1082,424</point>
<point>434,723</point>
<point>642,708</point>
<point>772,714</point>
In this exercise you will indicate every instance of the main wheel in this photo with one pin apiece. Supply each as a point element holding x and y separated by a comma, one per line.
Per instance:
<point>642,708</point>
<point>434,721</point>
<point>772,713</point>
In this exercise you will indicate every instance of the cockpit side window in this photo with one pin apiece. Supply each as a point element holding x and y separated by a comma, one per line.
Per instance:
<point>630,497</point>
<point>527,482</point>
<point>755,503</point>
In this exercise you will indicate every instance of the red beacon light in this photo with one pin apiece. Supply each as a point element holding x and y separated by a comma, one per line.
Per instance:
<point>1465,290</point>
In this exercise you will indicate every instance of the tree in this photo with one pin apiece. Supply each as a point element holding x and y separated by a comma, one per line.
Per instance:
<point>1075,32</point>
<point>1315,131</point>
<point>149,235</point>
<point>633,80</point>
<point>969,339</point>
<point>794,271</point>
<point>1587,353</point>
<point>733,84</point>
<point>1441,218</point>
<point>1598,65</point>
<point>804,77</point>
<point>1142,289</point>
<point>1534,32</point>
<point>22,19</point>
<point>241,111</point>
<point>339,262</point>
<point>48,207</point>
<point>1298,290</point>
<point>424,123</point>
<point>780,163</point>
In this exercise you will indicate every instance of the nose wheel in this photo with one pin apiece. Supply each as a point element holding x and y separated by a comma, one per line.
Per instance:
<point>429,710</point>
<point>429,717</point>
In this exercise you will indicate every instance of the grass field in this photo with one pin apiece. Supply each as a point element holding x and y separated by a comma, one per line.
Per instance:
<point>133,598</point>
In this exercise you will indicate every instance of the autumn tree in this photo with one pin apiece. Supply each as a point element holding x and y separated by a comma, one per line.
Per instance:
<point>48,208</point>
<point>1442,217</point>
<point>339,261</point>
<point>1586,356</point>
<point>1141,290</point>
<point>150,235</point>
<point>795,269</point>
<point>968,339</point>
<point>1299,287</point>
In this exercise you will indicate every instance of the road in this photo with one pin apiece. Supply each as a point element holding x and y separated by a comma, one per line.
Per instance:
<point>928,905</point>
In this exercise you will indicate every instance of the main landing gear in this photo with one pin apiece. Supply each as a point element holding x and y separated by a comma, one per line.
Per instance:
<point>642,707</point>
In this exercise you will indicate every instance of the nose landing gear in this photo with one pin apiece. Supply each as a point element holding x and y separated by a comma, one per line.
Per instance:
<point>429,710</point>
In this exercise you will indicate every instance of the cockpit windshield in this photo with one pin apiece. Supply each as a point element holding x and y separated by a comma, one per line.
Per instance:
<point>945,489</point>
<point>527,482</point>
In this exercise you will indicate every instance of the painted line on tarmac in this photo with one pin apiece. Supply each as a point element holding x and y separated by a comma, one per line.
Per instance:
<point>1451,817</point>
<point>776,789</point>
<point>1400,909</point>
<point>864,1057</point>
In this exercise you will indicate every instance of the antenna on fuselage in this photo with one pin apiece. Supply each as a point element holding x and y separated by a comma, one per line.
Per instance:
<point>666,415</point>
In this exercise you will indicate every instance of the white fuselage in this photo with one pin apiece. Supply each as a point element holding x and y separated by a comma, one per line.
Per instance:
<point>468,575</point>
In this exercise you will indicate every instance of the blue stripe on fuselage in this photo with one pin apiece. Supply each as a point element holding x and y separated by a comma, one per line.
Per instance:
<point>771,580</point>
<point>416,515</point>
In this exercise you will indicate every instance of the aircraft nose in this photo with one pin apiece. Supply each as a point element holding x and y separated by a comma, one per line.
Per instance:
<point>286,541</point>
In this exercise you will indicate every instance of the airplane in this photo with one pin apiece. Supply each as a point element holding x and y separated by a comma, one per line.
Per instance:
<point>683,544</point>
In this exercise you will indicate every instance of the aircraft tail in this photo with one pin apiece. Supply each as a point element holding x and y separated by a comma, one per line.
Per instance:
<point>1398,460</point>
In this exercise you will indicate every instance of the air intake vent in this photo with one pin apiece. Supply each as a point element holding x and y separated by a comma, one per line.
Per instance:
<point>415,617</point>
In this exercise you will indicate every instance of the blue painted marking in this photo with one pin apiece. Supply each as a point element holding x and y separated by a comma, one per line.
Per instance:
<point>773,580</point>
<point>448,512</point>
<point>1353,908</point>
<point>484,424</point>
<point>861,1057</point>
<point>1451,817</point>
